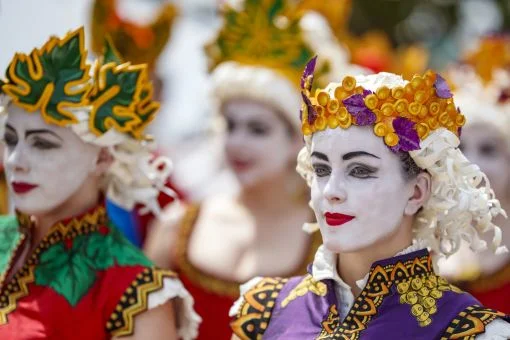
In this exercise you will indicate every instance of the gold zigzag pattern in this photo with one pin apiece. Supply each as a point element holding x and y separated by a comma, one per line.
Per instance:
<point>23,282</point>
<point>143,288</point>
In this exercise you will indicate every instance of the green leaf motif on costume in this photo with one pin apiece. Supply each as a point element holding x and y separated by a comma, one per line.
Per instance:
<point>114,248</point>
<point>52,79</point>
<point>69,273</point>
<point>72,272</point>
<point>9,238</point>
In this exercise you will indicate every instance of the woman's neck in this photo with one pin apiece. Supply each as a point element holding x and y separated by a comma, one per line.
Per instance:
<point>83,200</point>
<point>354,266</point>
<point>269,204</point>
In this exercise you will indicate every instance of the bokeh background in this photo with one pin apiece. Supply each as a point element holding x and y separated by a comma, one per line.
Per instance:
<point>384,34</point>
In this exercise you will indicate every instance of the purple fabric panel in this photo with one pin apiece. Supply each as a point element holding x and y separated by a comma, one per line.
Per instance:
<point>301,318</point>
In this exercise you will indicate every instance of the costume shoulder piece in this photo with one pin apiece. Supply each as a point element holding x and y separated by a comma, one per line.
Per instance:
<point>252,316</point>
<point>85,261</point>
<point>402,288</point>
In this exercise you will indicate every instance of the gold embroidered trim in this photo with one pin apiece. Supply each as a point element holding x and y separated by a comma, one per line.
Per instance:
<point>17,287</point>
<point>422,293</point>
<point>381,278</point>
<point>308,284</point>
<point>211,283</point>
<point>255,312</point>
<point>470,322</point>
<point>134,300</point>
<point>331,323</point>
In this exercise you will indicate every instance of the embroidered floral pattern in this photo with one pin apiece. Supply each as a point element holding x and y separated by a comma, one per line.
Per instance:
<point>308,284</point>
<point>422,293</point>
<point>380,280</point>
<point>68,258</point>
<point>70,267</point>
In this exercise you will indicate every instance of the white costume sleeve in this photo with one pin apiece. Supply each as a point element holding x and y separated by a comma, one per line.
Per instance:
<point>496,330</point>
<point>245,287</point>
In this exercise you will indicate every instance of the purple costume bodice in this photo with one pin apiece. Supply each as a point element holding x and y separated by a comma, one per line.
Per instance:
<point>402,299</point>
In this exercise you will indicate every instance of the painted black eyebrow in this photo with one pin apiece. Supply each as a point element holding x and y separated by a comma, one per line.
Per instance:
<point>354,154</point>
<point>31,132</point>
<point>7,126</point>
<point>320,156</point>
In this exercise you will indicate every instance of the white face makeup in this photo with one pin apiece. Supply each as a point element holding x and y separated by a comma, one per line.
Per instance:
<point>484,146</point>
<point>258,145</point>
<point>45,164</point>
<point>358,192</point>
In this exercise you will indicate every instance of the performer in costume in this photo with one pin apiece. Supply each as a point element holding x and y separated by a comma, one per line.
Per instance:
<point>137,44</point>
<point>72,140</point>
<point>387,182</point>
<point>482,92</point>
<point>227,239</point>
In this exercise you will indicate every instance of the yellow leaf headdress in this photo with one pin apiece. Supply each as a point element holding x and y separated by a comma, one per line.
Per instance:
<point>55,81</point>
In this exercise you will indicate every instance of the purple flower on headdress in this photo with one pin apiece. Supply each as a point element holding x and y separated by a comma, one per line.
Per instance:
<point>407,135</point>
<point>355,105</point>
<point>312,114</point>
<point>306,82</point>
<point>442,88</point>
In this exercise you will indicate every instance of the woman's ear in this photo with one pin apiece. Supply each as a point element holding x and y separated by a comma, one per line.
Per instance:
<point>104,161</point>
<point>421,193</point>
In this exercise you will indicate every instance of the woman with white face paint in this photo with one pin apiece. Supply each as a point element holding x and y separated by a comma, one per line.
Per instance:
<point>227,239</point>
<point>388,185</point>
<point>482,94</point>
<point>73,140</point>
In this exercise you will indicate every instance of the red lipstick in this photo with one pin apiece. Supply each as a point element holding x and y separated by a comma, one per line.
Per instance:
<point>240,165</point>
<point>22,188</point>
<point>334,219</point>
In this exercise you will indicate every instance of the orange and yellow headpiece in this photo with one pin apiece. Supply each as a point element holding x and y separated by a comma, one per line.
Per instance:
<point>403,115</point>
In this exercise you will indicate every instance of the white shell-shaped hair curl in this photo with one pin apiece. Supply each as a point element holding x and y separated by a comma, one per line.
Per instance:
<point>462,204</point>
<point>136,176</point>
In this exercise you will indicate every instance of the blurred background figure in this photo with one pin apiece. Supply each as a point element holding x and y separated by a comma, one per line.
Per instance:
<point>135,42</point>
<point>375,32</point>
<point>483,96</point>
<point>256,62</point>
<point>218,157</point>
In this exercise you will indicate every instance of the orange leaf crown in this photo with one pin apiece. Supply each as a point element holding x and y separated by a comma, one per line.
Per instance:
<point>403,115</point>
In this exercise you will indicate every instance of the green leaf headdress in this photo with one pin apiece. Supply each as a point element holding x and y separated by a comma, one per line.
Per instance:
<point>55,81</point>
